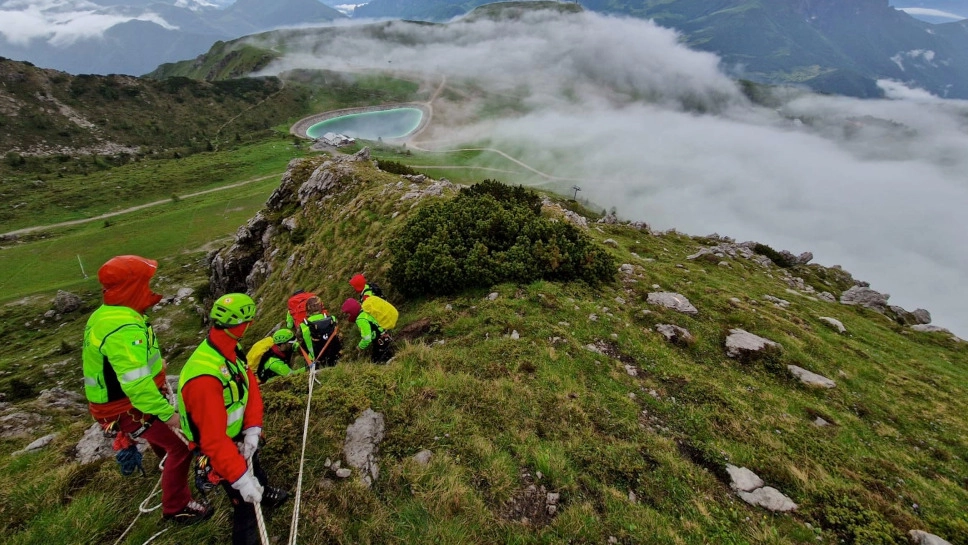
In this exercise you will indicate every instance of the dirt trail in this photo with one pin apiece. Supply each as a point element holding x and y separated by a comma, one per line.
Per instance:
<point>134,208</point>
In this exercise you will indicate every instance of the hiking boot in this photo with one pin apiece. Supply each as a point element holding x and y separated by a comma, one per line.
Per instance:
<point>192,513</point>
<point>273,497</point>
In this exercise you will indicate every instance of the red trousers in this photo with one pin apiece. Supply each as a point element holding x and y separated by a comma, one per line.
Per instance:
<point>175,494</point>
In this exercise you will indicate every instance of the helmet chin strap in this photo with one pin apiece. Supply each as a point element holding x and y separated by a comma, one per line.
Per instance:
<point>236,332</point>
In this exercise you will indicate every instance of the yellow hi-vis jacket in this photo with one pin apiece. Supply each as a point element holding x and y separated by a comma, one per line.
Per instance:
<point>121,360</point>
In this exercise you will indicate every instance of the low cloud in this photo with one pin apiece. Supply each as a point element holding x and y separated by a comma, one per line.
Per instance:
<point>644,124</point>
<point>926,12</point>
<point>61,23</point>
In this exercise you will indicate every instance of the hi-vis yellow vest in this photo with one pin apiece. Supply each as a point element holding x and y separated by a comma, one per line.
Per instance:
<point>207,360</point>
<point>120,350</point>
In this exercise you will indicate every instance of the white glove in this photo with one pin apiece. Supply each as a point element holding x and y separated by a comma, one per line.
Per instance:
<point>250,443</point>
<point>249,487</point>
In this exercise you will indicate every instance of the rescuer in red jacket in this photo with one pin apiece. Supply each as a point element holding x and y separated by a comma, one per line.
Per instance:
<point>221,413</point>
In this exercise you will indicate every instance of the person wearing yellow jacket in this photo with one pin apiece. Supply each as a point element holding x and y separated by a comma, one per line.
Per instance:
<point>274,362</point>
<point>371,334</point>
<point>124,378</point>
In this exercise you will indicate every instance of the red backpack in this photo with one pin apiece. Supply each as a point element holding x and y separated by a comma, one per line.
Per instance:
<point>297,306</point>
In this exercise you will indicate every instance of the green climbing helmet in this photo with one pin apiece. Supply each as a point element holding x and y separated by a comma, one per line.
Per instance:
<point>233,309</point>
<point>282,336</point>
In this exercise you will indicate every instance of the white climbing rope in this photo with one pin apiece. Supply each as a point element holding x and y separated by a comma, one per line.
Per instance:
<point>259,519</point>
<point>294,526</point>
<point>141,509</point>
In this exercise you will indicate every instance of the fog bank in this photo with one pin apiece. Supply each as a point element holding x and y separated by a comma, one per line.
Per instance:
<point>659,132</point>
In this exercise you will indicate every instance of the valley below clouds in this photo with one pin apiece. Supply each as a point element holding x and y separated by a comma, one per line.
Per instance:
<point>660,132</point>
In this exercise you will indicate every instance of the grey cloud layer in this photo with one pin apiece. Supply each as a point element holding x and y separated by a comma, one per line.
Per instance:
<point>61,22</point>
<point>876,186</point>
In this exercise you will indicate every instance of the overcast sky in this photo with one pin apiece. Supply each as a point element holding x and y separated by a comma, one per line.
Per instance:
<point>877,186</point>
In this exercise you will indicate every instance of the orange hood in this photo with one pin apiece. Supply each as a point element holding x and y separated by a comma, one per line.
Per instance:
<point>124,280</point>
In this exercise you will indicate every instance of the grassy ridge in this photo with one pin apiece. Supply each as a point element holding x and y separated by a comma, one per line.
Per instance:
<point>636,458</point>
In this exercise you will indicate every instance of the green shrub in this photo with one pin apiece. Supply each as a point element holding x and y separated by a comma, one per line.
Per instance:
<point>775,256</point>
<point>852,522</point>
<point>394,168</point>
<point>491,233</point>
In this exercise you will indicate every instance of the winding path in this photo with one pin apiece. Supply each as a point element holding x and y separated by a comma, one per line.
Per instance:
<point>135,208</point>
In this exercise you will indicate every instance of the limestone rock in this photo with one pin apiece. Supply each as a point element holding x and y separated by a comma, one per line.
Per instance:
<point>810,378</point>
<point>921,316</point>
<point>835,323</point>
<point>865,297</point>
<point>423,457</point>
<point>742,479</point>
<point>741,344</point>
<point>59,398</point>
<point>675,334</point>
<point>362,444</point>
<point>21,424</point>
<point>921,537</point>
<point>36,445</point>
<point>93,446</point>
<point>673,301</point>
<point>65,302</point>
<point>768,498</point>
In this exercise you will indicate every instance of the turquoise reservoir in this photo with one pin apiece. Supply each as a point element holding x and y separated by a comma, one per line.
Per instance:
<point>395,123</point>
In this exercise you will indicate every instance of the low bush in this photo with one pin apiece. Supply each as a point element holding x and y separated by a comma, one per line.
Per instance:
<point>852,522</point>
<point>776,257</point>
<point>394,168</point>
<point>488,234</point>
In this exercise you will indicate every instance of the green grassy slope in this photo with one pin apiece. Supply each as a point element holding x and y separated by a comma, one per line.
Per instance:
<point>54,113</point>
<point>635,459</point>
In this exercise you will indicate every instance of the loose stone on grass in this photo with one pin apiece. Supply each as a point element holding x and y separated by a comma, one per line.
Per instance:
<point>750,488</point>
<point>811,379</point>
<point>675,334</point>
<point>674,301</point>
<point>920,537</point>
<point>743,344</point>
<point>834,323</point>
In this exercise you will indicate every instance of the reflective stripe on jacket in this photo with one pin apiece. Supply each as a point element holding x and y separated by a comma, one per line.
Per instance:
<point>206,360</point>
<point>369,329</point>
<point>121,361</point>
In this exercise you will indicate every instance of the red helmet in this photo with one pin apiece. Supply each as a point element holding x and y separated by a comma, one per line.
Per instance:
<point>352,308</point>
<point>358,282</point>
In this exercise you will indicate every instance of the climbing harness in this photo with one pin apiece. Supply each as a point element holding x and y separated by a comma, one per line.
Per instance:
<point>205,478</point>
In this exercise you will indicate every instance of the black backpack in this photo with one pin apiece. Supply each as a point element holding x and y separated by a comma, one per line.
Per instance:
<point>375,289</point>
<point>319,333</point>
<point>320,330</point>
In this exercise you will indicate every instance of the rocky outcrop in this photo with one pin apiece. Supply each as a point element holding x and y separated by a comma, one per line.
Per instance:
<point>865,297</point>
<point>362,445</point>
<point>245,266</point>
<point>65,302</point>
